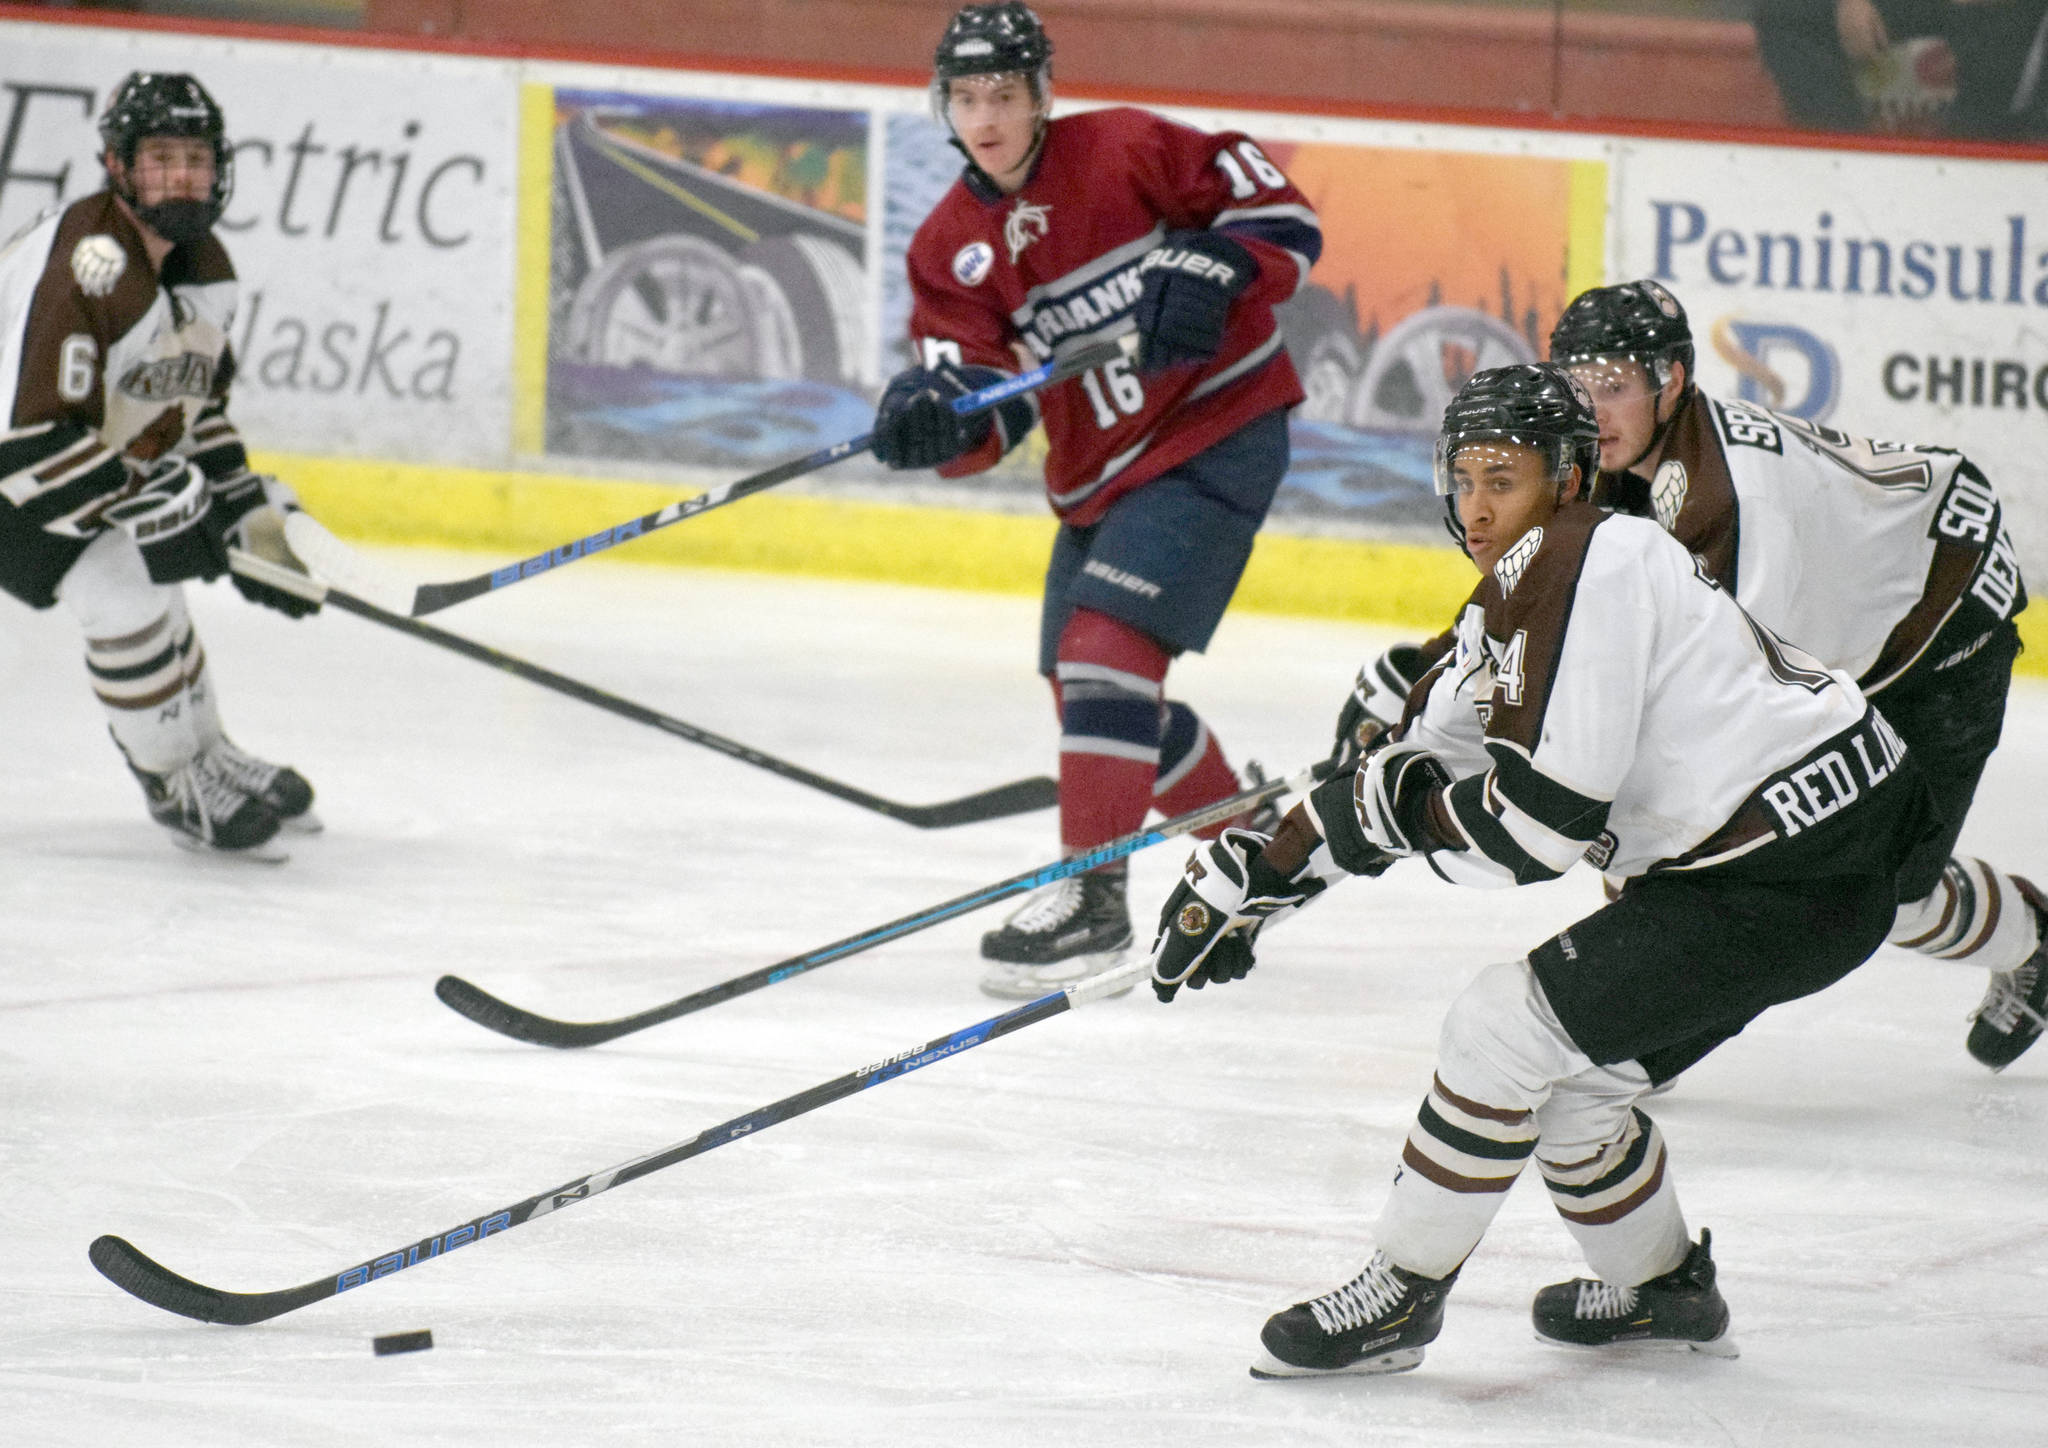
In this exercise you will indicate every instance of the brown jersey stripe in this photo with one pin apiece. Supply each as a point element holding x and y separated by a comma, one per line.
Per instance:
<point>1505,1115</point>
<point>1602,1216</point>
<point>1452,1181</point>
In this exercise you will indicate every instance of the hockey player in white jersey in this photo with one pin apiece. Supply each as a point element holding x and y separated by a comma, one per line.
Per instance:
<point>1888,561</point>
<point>120,474</point>
<point>1604,699</point>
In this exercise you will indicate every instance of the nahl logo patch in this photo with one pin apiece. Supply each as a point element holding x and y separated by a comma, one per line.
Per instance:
<point>971,263</point>
<point>97,263</point>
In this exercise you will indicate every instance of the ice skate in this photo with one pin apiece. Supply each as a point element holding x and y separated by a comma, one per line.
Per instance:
<point>1681,1309</point>
<point>281,789</point>
<point>1378,1322</point>
<point>205,810</point>
<point>2015,1008</point>
<point>1074,929</point>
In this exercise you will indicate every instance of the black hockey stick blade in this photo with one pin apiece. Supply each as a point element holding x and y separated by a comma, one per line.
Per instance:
<point>520,1024</point>
<point>143,1278</point>
<point>138,1275</point>
<point>1020,796</point>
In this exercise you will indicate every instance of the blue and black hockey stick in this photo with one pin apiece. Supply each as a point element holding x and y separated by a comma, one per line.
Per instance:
<point>141,1276</point>
<point>319,548</point>
<point>524,1025</point>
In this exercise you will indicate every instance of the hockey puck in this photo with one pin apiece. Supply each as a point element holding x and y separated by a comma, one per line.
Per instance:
<point>402,1342</point>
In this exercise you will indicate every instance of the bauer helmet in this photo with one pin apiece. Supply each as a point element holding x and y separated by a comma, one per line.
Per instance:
<point>163,103</point>
<point>1640,321</point>
<point>1534,404</point>
<point>1000,39</point>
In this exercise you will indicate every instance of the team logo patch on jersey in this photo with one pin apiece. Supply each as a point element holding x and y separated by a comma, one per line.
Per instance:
<point>971,263</point>
<point>1025,224</point>
<point>1516,559</point>
<point>97,263</point>
<point>1667,492</point>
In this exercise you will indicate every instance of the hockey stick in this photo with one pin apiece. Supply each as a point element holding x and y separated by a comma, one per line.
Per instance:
<point>1020,796</point>
<point>319,547</point>
<point>524,1025</point>
<point>140,1276</point>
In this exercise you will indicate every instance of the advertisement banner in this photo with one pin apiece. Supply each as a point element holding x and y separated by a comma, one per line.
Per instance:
<point>708,287</point>
<point>1902,297</point>
<point>371,224</point>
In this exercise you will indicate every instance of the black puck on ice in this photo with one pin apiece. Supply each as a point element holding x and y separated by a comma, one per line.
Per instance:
<point>402,1342</point>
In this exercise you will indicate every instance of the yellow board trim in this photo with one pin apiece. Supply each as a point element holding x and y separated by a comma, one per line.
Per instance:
<point>1585,264</point>
<point>530,289</point>
<point>512,515</point>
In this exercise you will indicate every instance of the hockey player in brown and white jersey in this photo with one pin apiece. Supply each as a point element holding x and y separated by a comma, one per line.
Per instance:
<point>120,473</point>
<point>1888,561</point>
<point>1604,699</point>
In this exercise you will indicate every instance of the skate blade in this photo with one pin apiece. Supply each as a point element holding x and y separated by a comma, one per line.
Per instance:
<point>270,852</point>
<point>1028,982</point>
<point>305,824</point>
<point>1723,1346</point>
<point>1270,1369</point>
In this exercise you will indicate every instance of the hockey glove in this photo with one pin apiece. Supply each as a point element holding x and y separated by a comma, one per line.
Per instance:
<point>1391,794</point>
<point>915,425</point>
<point>249,511</point>
<point>1186,287</point>
<point>1213,916</point>
<point>1378,698</point>
<point>167,512</point>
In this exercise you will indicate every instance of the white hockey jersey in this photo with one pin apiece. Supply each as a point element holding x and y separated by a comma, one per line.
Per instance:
<point>1607,699</point>
<point>100,358</point>
<point>1857,550</point>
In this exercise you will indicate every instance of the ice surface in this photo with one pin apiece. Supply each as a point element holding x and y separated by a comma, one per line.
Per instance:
<point>1069,1236</point>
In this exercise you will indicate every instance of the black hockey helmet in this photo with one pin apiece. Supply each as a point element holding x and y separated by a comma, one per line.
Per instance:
<point>1534,404</point>
<point>166,103</point>
<point>999,39</point>
<point>1640,321</point>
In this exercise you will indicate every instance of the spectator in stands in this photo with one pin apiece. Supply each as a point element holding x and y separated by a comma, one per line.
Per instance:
<point>1852,65</point>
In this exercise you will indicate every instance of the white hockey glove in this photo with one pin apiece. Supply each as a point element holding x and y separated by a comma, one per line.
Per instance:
<point>1212,918</point>
<point>167,511</point>
<point>250,510</point>
<point>1378,698</point>
<point>1391,792</point>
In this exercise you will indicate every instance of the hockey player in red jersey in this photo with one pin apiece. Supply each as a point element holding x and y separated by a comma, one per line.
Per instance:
<point>1060,233</point>
<point>120,473</point>
<point>1606,700</point>
<point>1888,561</point>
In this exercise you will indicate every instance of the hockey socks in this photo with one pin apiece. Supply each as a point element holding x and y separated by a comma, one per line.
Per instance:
<point>1192,769</point>
<point>1123,749</point>
<point>1107,679</point>
<point>1975,915</point>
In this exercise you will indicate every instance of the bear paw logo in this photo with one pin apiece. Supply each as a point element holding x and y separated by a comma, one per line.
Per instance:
<point>97,263</point>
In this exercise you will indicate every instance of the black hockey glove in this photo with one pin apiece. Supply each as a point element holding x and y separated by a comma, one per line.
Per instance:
<point>1212,918</point>
<point>168,513</point>
<point>1187,284</point>
<point>1378,698</point>
<point>915,425</point>
<point>248,513</point>
<point>1391,793</point>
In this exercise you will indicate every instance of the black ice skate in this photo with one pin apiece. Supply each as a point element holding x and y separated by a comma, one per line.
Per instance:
<point>1074,929</point>
<point>281,789</point>
<point>1682,1308</point>
<point>204,810</point>
<point>1378,1322</point>
<point>2016,1006</point>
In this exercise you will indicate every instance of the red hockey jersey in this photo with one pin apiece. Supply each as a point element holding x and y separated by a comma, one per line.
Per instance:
<point>998,279</point>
